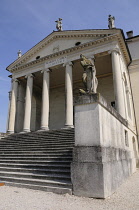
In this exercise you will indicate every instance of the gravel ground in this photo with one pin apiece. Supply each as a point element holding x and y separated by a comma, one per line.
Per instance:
<point>125,198</point>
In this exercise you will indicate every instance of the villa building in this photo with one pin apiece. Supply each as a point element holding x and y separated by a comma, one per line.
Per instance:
<point>45,96</point>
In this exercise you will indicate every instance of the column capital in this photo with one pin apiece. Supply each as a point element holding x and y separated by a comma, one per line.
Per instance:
<point>15,80</point>
<point>69,63</point>
<point>116,50</point>
<point>46,70</point>
<point>29,75</point>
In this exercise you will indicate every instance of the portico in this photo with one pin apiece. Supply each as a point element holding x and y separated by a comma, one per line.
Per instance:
<point>44,88</point>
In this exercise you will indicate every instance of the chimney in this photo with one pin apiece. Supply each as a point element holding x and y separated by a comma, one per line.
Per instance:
<point>129,34</point>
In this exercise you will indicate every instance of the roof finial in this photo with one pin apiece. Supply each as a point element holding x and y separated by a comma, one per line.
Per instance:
<point>19,53</point>
<point>111,20</point>
<point>59,24</point>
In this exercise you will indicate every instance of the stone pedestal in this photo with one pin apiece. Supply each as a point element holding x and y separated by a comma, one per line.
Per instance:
<point>101,161</point>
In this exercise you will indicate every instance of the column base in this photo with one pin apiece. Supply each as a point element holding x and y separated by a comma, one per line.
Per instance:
<point>10,132</point>
<point>68,126</point>
<point>25,131</point>
<point>43,128</point>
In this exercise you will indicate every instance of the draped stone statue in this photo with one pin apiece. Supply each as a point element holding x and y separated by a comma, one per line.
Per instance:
<point>89,76</point>
<point>111,20</point>
<point>59,24</point>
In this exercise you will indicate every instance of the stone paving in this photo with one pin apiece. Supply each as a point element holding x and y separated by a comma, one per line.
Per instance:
<point>125,198</point>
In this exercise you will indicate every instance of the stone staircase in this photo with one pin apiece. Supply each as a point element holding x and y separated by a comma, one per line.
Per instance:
<point>38,160</point>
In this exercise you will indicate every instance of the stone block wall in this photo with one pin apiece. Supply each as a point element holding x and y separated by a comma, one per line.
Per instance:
<point>103,156</point>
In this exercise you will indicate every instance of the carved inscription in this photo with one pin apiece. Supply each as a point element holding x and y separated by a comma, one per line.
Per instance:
<point>56,62</point>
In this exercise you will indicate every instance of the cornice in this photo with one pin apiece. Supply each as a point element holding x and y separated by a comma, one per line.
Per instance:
<point>104,38</point>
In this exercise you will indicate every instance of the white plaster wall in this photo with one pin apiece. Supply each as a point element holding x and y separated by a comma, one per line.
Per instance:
<point>134,75</point>
<point>134,48</point>
<point>33,114</point>
<point>57,108</point>
<point>112,134</point>
<point>96,126</point>
<point>112,131</point>
<point>87,125</point>
<point>105,88</point>
<point>127,93</point>
<point>20,108</point>
<point>36,109</point>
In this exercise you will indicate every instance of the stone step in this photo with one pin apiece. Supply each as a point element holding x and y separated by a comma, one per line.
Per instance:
<point>43,139</point>
<point>58,190</point>
<point>36,146</point>
<point>52,176</point>
<point>36,155</point>
<point>37,140</point>
<point>36,151</point>
<point>31,148</point>
<point>40,182</point>
<point>38,160</point>
<point>33,138</point>
<point>36,170</point>
<point>37,166</point>
<point>65,158</point>
<point>64,162</point>
<point>9,143</point>
<point>40,134</point>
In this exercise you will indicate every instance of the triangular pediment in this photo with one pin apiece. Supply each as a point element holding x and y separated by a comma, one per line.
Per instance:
<point>59,41</point>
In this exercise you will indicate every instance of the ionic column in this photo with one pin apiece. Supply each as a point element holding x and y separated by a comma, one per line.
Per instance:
<point>27,115</point>
<point>69,94</point>
<point>45,101</point>
<point>118,83</point>
<point>12,111</point>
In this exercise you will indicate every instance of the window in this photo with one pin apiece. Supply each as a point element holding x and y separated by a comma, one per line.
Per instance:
<point>126,138</point>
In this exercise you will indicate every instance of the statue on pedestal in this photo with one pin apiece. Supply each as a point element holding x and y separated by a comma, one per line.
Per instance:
<point>59,24</point>
<point>111,20</point>
<point>89,76</point>
<point>19,53</point>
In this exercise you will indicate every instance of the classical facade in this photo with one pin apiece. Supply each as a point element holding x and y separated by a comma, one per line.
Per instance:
<point>45,94</point>
<point>47,77</point>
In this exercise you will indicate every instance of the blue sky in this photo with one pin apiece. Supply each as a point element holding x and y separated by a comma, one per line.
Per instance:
<point>23,23</point>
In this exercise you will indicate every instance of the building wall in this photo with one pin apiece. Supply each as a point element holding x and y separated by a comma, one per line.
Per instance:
<point>105,155</point>
<point>105,88</point>
<point>57,108</point>
<point>134,75</point>
<point>20,107</point>
<point>133,45</point>
<point>57,100</point>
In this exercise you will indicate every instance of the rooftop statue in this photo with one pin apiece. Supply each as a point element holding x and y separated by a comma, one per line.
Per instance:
<point>19,53</point>
<point>59,24</point>
<point>111,20</point>
<point>89,76</point>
